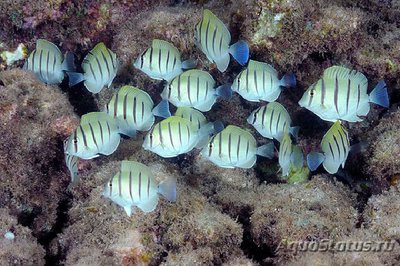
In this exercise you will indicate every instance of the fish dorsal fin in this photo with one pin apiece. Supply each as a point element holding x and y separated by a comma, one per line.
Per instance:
<point>345,73</point>
<point>100,46</point>
<point>237,130</point>
<point>216,22</point>
<point>96,116</point>
<point>127,166</point>
<point>164,45</point>
<point>256,65</point>
<point>42,44</point>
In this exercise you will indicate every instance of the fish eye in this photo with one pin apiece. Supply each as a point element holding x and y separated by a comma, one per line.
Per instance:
<point>75,141</point>
<point>312,92</point>
<point>110,184</point>
<point>151,136</point>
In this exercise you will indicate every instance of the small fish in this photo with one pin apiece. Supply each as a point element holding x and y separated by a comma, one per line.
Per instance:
<point>72,165</point>
<point>235,147</point>
<point>271,121</point>
<point>194,88</point>
<point>259,81</point>
<point>174,136</point>
<point>135,185</point>
<point>97,133</point>
<point>213,38</point>
<point>48,63</point>
<point>290,156</point>
<point>341,93</point>
<point>134,110</point>
<point>194,116</point>
<point>335,146</point>
<point>162,61</point>
<point>100,67</point>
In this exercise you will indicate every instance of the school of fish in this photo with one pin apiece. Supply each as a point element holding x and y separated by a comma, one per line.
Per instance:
<point>339,95</point>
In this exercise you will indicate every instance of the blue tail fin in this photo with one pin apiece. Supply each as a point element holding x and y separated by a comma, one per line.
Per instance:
<point>294,131</point>
<point>75,78</point>
<point>380,95</point>
<point>162,109</point>
<point>167,188</point>
<point>240,51</point>
<point>189,64</point>
<point>288,80</point>
<point>218,127</point>
<point>267,150</point>
<point>68,64</point>
<point>314,159</point>
<point>225,91</point>
<point>297,158</point>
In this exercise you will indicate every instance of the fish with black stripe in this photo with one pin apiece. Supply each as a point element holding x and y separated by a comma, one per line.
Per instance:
<point>72,164</point>
<point>162,61</point>
<point>290,157</point>
<point>100,67</point>
<point>97,133</point>
<point>272,120</point>
<point>134,110</point>
<point>136,185</point>
<point>213,39</point>
<point>259,81</point>
<point>341,93</point>
<point>176,135</point>
<point>193,115</point>
<point>235,147</point>
<point>335,146</point>
<point>195,88</point>
<point>48,63</point>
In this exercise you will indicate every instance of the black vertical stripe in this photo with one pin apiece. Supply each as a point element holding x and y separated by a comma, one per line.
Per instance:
<point>229,146</point>
<point>323,91</point>
<point>255,80</point>
<point>83,136</point>
<point>134,110</point>
<point>206,90</point>
<point>210,145</point>
<point>220,45</point>
<point>140,185</point>
<point>142,110</point>
<point>335,96</point>
<point>116,104</point>
<point>247,79</point>
<point>337,144</point>
<point>330,148</point>
<point>358,95</point>
<point>200,31</point>
<point>179,87</point>
<point>159,60</point>
<point>93,136</point>
<point>174,64</point>
<point>263,78</point>
<point>119,184</point>
<point>263,116</point>
<point>166,65</point>
<point>47,65</point>
<point>247,148</point>
<point>106,61</point>
<point>342,141</point>
<point>188,89</point>
<point>170,135</point>
<point>101,132</point>
<point>111,58</point>
<point>109,130</point>
<point>160,133</point>
<point>348,95</point>
<point>180,133</point>
<point>207,28</point>
<point>197,88</point>
<point>40,64</point>
<point>33,60</point>
<point>130,184</point>
<point>277,123</point>
<point>125,105</point>
<point>151,58</point>
<point>91,70</point>
<point>188,133</point>
<point>142,58</point>
<point>75,141</point>
<point>220,145</point>
<point>213,40</point>
<point>270,121</point>
<point>100,69</point>
<point>54,63</point>
<point>148,186</point>
<point>238,148</point>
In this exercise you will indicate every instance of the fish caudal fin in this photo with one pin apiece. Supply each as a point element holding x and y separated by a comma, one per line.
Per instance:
<point>267,150</point>
<point>294,131</point>
<point>379,95</point>
<point>240,51</point>
<point>162,109</point>
<point>218,126</point>
<point>68,64</point>
<point>224,91</point>
<point>167,188</point>
<point>314,159</point>
<point>288,80</point>
<point>189,64</point>
<point>75,78</point>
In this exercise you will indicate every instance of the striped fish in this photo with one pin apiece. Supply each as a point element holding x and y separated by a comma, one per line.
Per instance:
<point>341,93</point>
<point>96,134</point>
<point>48,63</point>
<point>194,88</point>
<point>162,61</point>
<point>72,165</point>
<point>335,146</point>
<point>194,116</point>
<point>100,67</point>
<point>290,156</point>
<point>213,38</point>
<point>235,147</point>
<point>135,185</point>
<point>271,121</point>
<point>134,110</point>
<point>259,81</point>
<point>174,136</point>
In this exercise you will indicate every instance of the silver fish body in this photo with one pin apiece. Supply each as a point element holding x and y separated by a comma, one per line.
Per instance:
<point>193,115</point>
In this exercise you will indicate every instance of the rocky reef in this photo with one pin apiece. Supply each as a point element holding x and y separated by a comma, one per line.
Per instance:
<point>222,216</point>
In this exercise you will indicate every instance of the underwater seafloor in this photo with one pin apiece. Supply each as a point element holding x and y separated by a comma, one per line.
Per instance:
<point>222,216</point>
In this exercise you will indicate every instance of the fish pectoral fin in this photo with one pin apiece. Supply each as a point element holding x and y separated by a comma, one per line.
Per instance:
<point>149,205</point>
<point>222,62</point>
<point>128,210</point>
